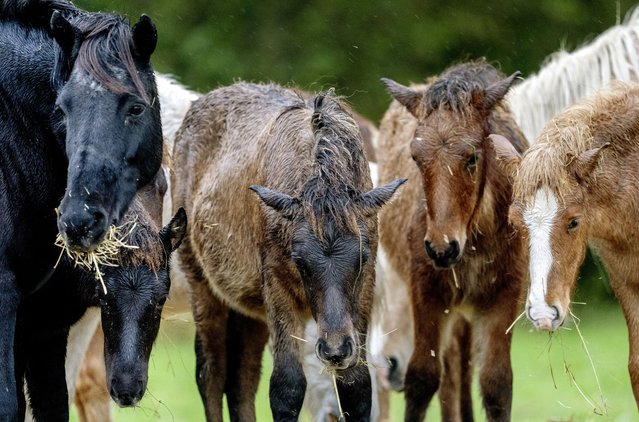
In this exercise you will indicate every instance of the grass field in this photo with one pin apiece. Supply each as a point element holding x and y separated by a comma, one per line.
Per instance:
<point>543,389</point>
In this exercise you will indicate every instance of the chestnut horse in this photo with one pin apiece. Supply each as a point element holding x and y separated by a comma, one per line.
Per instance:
<point>577,186</point>
<point>308,252</point>
<point>449,235</point>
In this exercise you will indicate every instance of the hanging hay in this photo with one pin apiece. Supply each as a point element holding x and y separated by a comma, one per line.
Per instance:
<point>106,254</point>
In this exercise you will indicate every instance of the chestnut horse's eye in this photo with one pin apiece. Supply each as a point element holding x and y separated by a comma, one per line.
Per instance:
<point>471,163</point>
<point>573,224</point>
<point>136,110</point>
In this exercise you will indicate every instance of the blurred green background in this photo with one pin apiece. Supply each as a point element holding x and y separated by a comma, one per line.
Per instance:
<point>350,45</point>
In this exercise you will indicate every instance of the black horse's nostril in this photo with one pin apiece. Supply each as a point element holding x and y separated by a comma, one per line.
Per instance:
<point>335,355</point>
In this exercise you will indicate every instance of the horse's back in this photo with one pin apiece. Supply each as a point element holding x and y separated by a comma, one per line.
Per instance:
<point>225,145</point>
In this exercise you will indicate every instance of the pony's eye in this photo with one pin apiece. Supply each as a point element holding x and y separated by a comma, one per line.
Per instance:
<point>136,110</point>
<point>471,163</point>
<point>573,224</point>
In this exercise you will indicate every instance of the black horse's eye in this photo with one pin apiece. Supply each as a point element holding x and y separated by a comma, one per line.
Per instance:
<point>573,224</point>
<point>136,110</point>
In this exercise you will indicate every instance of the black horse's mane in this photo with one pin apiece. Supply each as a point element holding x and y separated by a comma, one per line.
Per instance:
<point>105,37</point>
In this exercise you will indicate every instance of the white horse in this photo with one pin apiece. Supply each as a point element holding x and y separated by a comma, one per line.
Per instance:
<point>566,78</point>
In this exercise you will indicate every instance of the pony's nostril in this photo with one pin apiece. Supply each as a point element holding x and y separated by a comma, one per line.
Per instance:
<point>429,249</point>
<point>393,364</point>
<point>453,250</point>
<point>557,314</point>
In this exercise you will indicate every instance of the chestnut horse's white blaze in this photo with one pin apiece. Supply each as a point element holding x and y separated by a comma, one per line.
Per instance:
<point>539,218</point>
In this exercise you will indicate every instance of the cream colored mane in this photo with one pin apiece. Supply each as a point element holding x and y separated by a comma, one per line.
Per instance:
<point>566,78</point>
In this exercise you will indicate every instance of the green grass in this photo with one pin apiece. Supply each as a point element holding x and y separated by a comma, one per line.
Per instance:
<point>543,391</point>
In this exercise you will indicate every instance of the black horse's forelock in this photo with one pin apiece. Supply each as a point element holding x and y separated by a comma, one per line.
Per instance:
<point>454,89</point>
<point>106,45</point>
<point>339,156</point>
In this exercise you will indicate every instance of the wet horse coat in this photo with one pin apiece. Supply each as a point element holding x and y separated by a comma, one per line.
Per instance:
<point>448,234</point>
<point>577,186</point>
<point>77,124</point>
<point>309,252</point>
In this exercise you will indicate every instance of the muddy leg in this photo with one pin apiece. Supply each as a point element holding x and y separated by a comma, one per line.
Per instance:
<point>210,316</point>
<point>424,368</point>
<point>454,391</point>
<point>354,387</point>
<point>495,371</point>
<point>245,341</point>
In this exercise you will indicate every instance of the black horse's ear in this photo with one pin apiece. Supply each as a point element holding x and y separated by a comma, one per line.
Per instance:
<point>280,202</point>
<point>406,96</point>
<point>173,233</point>
<point>66,35</point>
<point>376,197</point>
<point>145,37</point>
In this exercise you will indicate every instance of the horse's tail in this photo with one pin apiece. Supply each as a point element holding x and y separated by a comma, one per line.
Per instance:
<point>36,13</point>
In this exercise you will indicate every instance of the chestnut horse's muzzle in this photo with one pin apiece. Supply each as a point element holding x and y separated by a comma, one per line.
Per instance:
<point>443,257</point>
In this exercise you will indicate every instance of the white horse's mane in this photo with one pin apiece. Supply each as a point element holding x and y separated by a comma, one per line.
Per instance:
<point>566,78</point>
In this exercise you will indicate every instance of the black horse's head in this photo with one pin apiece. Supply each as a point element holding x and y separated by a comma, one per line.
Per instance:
<point>109,117</point>
<point>132,306</point>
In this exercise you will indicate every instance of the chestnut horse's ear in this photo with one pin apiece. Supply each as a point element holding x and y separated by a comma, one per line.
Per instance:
<point>407,97</point>
<point>145,37</point>
<point>489,98</point>
<point>66,35</point>
<point>506,154</point>
<point>280,202</point>
<point>583,165</point>
<point>173,233</point>
<point>376,197</point>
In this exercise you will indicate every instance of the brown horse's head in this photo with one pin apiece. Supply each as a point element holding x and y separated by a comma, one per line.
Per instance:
<point>333,229</point>
<point>551,212</point>
<point>449,147</point>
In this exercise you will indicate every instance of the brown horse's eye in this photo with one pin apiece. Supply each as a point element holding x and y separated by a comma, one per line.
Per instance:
<point>471,163</point>
<point>573,224</point>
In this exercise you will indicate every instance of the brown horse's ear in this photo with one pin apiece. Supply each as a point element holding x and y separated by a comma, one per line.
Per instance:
<point>280,202</point>
<point>407,97</point>
<point>506,154</point>
<point>173,233</point>
<point>376,197</point>
<point>489,98</point>
<point>145,37</point>
<point>583,165</point>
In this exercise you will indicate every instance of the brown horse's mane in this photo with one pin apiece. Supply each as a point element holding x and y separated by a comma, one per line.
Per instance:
<point>338,167</point>
<point>144,237</point>
<point>453,89</point>
<point>107,37</point>
<point>610,116</point>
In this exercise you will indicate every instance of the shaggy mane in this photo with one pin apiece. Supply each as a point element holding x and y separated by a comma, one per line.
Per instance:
<point>337,177</point>
<point>607,117</point>
<point>145,237</point>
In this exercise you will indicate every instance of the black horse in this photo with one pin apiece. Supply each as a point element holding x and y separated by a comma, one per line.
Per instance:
<point>80,132</point>
<point>137,289</point>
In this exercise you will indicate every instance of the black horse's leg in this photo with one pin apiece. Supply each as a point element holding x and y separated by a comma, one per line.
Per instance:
<point>245,341</point>
<point>45,377</point>
<point>355,393</point>
<point>288,383</point>
<point>9,301</point>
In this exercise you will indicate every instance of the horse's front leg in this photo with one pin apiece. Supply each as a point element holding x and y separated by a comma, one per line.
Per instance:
<point>495,371</point>
<point>424,368</point>
<point>245,341</point>
<point>628,294</point>
<point>354,388</point>
<point>288,383</point>
<point>9,301</point>
<point>45,376</point>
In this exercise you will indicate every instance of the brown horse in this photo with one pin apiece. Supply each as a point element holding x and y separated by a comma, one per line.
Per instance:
<point>449,235</point>
<point>577,185</point>
<point>309,252</point>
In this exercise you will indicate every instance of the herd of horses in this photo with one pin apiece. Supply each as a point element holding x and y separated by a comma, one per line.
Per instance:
<point>308,229</point>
